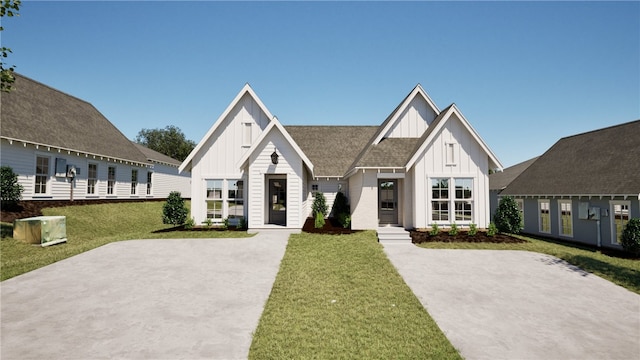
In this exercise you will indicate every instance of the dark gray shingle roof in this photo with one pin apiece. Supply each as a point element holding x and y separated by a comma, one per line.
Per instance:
<point>600,162</point>
<point>331,149</point>
<point>390,152</point>
<point>155,156</point>
<point>34,112</point>
<point>500,180</point>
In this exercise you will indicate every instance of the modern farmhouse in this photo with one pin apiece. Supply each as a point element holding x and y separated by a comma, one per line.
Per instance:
<point>421,166</point>
<point>63,147</point>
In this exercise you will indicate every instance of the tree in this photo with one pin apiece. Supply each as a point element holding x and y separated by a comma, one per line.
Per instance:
<point>174,211</point>
<point>8,8</point>
<point>9,187</point>
<point>169,141</point>
<point>508,218</point>
<point>630,239</point>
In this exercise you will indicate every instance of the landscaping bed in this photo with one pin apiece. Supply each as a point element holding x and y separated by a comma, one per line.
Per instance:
<point>421,236</point>
<point>331,227</point>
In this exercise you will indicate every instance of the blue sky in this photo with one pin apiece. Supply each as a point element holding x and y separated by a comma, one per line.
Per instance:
<point>523,73</point>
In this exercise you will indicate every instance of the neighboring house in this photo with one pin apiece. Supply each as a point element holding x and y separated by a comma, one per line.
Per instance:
<point>422,166</point>
<point>585,188</point>
<point>46,133</point>
<point>499,180</point>
<point>164,177</point>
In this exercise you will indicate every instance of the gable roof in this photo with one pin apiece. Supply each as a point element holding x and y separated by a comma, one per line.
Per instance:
<point>38,114</point>
<point>600,162</point>
<point>246,89</point>
<point>388,153</point>
<point>499,180</point>
<point>331,149</point>
<point>438,124</point>
<point>154,156</point>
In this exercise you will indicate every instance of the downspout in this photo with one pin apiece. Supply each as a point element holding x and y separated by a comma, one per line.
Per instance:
<point>599,237</point>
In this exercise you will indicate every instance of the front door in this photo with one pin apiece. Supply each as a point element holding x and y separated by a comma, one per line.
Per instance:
<point>278,201</point>
<point>388,201</point>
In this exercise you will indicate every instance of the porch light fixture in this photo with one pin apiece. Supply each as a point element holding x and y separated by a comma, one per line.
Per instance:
<point>274,157</point>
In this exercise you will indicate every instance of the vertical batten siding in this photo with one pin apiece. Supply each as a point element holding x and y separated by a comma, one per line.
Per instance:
<point>414,120</point>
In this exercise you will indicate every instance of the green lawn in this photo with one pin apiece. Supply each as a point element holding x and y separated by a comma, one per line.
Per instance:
<point>624,272</point>
<point>338,297</point>
<point>90,226</point>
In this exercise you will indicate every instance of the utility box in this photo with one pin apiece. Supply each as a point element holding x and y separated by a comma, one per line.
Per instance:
<point>41,230</point>
<point>594,213</point>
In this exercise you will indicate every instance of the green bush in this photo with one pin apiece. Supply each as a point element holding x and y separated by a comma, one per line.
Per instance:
<point>10,188</point>
<point>508,218</point>
<point>492,230</point>
<point>345,220</point>
<point>319,205</point>
<point>242,223</point>
<point>208,223</point>
<point>319,220</point>
<point>454,230</point>
<point>225,223</point>
<point>435,230</point>
<point>190,223</point>
<point>630,239</point>
<point>473,230</point>
<point>174,211</point>
<point>341,205</point>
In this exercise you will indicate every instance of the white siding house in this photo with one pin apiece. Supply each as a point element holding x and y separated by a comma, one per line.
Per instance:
<point>421,166</point>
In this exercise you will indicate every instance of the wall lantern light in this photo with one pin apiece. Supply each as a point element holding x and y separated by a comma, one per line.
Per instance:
<point>274,157</point>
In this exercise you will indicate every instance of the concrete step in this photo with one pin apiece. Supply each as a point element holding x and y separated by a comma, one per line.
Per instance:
<point>393,235</point>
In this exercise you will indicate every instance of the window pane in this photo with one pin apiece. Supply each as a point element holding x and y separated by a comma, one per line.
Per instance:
<point>214,189</point>
<point>214,209</point>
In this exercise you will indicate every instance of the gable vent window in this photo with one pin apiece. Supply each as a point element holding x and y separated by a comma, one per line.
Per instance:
<point>246,134</point>
<point>451,154</point>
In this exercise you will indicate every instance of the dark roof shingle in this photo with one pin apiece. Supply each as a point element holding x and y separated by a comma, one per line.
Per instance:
<point>500,180</point>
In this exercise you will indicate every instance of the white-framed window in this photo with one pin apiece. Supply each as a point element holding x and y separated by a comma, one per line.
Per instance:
<point>149,182</point>
<point>134,181</point>
<point>451,153</point>
<point>620,212</point>
<point>42,174</point>
<point>246,134</point>
<point>565,218</point>
<point>111,180</point>
<point>225,199</point>
<point>440,199</point>
<point>544,216</point>
<point>214,200</point>
<point>520,204</point>
<point>235,199</point>
<point>463,200</point>
<point>315,187</point>
<point>92,178</point>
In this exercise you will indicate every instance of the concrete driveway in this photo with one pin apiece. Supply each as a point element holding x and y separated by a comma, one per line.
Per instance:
<point>143,299</point>
<point>520,305</point>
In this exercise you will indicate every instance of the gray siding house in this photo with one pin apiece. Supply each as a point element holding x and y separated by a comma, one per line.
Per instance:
<point>498,181</point>
<point>46,134</point>
<point>585,188</point>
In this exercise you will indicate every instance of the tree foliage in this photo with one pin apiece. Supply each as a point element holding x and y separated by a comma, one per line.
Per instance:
<point>630,238</point>
<point>508,218</point>
<point>174,211</point>
<point>169,141</point>
<point>319,205</point>
<point>8,8</point>
<point>10,188</point>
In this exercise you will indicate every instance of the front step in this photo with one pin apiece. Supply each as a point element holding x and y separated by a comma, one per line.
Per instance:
<point>393,235</point>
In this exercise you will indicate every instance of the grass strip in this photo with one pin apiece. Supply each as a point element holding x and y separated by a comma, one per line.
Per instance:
<point>339,297</point>
<point>91,226</point>
<point>623,272</point>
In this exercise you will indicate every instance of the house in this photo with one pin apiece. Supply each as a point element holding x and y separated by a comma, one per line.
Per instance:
<point>585,188</point>
<point>499,180</point>
<point>421,166</point>
<point>48,135</point>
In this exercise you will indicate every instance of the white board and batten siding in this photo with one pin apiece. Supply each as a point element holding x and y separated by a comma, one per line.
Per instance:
<point>219,156</point>
<point>261,169</point>
<point>414,120</point>
<point>470,161</point>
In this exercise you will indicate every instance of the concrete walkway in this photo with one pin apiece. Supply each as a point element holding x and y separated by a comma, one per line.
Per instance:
<point>521,305</point>
<point>144,299</point>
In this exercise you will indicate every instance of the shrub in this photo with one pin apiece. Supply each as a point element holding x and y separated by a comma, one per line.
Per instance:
<point>190,223</point>
<point>435,230</point>
<point>225,223</point>
<point>242,223</point>
<point>10,188</point>
<point>473,230</point>
<point>492,230</point>
<point>319,222</point>
<point>341,205</point>
<point>345,220</point>
<point>174,211</point>
<point>630,239</point>
<point>508,218</point>
<point>208,223</point>
<point>319,205</point>
<point>454,230</point>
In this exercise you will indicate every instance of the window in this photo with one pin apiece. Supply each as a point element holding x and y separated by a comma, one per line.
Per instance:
<point>235,199</point>
<point>464,200</point>
<point>520,203</point>
<point>619,219</point>
<point>111,179</point>
<point>544,223</point>
<point>450,154</point>
<point>149,177</point>
<point>314,189</point>
<point>565,219</point>
<point>246,134</point>
<point>134,181</point>
<point>214,200</point>
<point>42,174</point>
<point>92,178</point>
<point>440,199</point>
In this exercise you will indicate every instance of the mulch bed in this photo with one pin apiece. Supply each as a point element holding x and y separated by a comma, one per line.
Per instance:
<point>331,227</point>
<point>418,237</point>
